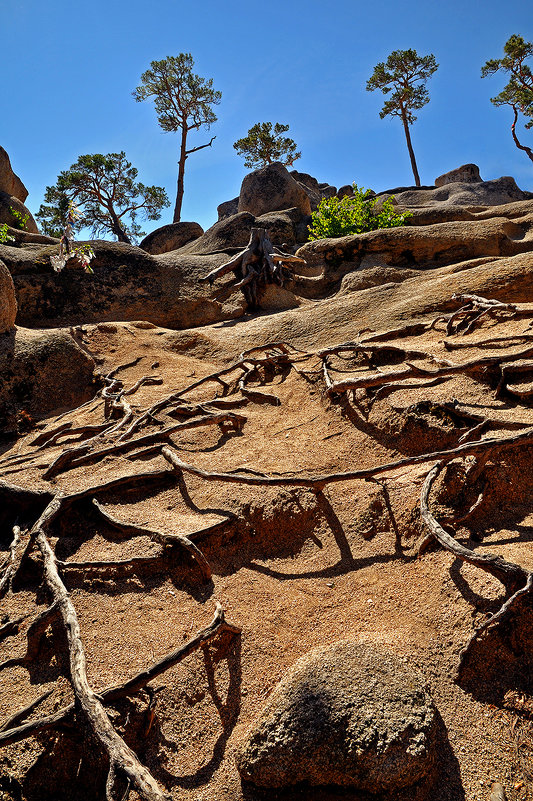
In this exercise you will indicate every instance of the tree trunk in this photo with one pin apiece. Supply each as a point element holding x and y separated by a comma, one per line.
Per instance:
<point>181,176</point>
<point>117,228</point>
<point>410,149</point>
<point>519,145</point>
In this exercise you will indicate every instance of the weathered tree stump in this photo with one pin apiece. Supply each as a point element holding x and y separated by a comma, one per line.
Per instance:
<point>259,264</point>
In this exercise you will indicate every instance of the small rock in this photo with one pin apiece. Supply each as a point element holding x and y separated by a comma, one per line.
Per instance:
<point>497,793</point>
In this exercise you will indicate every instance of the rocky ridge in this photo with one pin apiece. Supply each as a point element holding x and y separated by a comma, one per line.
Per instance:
<point>302,455</point>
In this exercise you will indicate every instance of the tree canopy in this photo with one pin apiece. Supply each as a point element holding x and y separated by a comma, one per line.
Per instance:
<point>264,145</point>
<point>183,102</point>
<point>518,92</point>
<point>106,192</point>
<point>404,74</point>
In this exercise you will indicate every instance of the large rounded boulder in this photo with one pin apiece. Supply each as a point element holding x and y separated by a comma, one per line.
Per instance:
<point>8,303</point>
<point>8,203</point>
<point>272,188</point>
<point>42,371</point>
<point>171,237</point>
<point>352,714</point>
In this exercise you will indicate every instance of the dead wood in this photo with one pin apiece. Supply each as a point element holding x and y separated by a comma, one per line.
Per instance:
<point>488,343</point>
<point>10,566</point>
<point>371,348</point>
<point>510,575</point>
<point>11,627</point>
<point>376,379</point>
<point>286,356</point>
<point>121,757</point>
<point>80,456</point>
<point>24,712</point>
<point>138,682</point>
<point>474,309</point>
<point>478,448</point>
<point>259,264</point>
<point>181,540</point>
<point>503,614</point>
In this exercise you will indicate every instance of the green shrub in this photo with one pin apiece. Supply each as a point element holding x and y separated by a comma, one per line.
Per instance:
<point>21,220</point>
<point>5,236</point>
<point>353,215</point>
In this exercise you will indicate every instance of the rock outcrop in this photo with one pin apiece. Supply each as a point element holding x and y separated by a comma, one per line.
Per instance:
<point>9,182</point>
<point>8,202</point>
<point>351,715</point>
<point>127,284</point>
<point>423,246</point>
<point>8,302</point>
<point>272,188</point>
<point>466,174</point>
<point>171,237</point>
<point>42,371</point>
<point>288,226</point>
<point>228,208</point>
<point>461,193</point>
<point>227,233</point>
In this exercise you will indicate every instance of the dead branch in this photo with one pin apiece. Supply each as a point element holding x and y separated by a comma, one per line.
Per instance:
<point>146,380</point>
<point>284,358</point>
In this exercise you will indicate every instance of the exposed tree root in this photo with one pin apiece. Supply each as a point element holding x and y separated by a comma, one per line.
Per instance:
<point>511,576</point>
<point>319,482</point>
<point>239,384</point>
<point>11,721</point>
<point>181,540</point>
<point>10,566</point>
<point>516,580</point>
<point>77,457</point>
<point>121,757</point>
<point>376,379</point>
<point>138,682</point>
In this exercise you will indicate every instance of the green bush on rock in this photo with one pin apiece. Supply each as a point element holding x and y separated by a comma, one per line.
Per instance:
<point>353,215</point>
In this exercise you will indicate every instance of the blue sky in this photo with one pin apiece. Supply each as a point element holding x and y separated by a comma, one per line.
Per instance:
<point>69,70</point>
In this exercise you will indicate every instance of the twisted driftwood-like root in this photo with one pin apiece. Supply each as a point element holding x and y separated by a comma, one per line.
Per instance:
<point>473,310</point>
<point>182,540</point>
<point>511,576</point>
<point>132,686</point>
<point>377,379</point>
<point>477,448</point>
<point>517,581</point>
<point>121,757</point>
<point>68,460</point>
<point>259,264</point>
